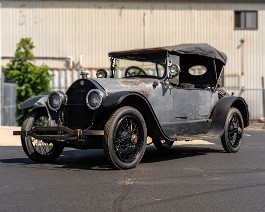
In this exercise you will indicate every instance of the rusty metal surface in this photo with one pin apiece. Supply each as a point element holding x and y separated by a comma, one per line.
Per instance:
<point>170,104</point>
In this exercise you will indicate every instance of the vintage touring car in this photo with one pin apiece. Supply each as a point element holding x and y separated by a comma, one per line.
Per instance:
<point>166,93</point>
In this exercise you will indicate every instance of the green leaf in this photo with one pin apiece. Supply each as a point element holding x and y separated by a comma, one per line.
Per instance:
<point>31,79</point>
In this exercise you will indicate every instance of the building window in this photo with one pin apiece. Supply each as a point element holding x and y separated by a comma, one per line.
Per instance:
<point>246,20</point>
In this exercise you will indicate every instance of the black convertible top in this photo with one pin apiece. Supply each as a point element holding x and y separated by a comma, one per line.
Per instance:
<point>202,49</point>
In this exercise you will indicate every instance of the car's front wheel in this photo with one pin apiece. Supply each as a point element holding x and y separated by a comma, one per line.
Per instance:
<point>233,131</point>
<point>125,138</point>
<point>40,151</point>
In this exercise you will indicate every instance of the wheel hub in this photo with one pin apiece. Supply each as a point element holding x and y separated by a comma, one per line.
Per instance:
<point>134,139</point>
<point>125,135</point>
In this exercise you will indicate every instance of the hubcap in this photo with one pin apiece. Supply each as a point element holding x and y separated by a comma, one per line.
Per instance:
<point>134,138</point>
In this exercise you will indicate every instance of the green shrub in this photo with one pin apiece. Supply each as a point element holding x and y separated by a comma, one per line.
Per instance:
<point>32,80</point>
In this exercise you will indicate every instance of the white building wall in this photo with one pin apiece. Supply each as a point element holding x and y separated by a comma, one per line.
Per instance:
<point>1,84</point>
<point>94,28</point>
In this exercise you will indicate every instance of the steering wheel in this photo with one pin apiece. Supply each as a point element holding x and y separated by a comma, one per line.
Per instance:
<point>134,71</point>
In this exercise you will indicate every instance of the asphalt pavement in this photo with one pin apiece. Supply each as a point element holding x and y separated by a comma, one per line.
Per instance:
<point>187,177</point>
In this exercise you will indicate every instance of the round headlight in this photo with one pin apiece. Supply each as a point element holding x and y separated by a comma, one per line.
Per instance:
<point>94,99</point>
<point>56,99</point>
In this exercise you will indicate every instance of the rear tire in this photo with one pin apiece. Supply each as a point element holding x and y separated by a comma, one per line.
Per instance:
<point>37,150</point>
<point>125,138</point>
<point>233,131</point>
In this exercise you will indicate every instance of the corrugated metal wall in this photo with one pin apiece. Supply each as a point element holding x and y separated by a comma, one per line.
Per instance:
<point>92,29</point>
<point>9,104</point>
<point>1,78</point>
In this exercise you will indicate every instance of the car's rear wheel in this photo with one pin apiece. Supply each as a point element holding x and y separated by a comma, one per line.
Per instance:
<point>125,138</point>
<point>40,151</point>
<point>162,144</point>
<point>233,131</point>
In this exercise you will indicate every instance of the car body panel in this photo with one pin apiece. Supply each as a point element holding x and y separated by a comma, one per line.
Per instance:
<point>221,110</point>
<point>175,105</point>
<point>36,101</point>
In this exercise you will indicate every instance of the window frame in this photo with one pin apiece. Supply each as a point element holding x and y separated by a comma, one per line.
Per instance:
<point>245,27</point>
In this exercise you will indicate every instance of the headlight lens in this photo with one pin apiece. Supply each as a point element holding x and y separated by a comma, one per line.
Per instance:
<point>94,99</point>
<point>56,99</point>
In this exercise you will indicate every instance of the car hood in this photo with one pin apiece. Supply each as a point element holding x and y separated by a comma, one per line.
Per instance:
<point>112,85</point>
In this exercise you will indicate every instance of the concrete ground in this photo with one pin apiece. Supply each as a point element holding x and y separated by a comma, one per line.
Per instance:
<point>184,178</point>
<point>7,138</point>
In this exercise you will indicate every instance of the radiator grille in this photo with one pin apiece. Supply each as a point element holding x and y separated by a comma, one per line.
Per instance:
<point>77,114</point>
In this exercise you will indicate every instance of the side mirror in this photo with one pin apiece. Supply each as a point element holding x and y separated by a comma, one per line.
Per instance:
<point>102,73</point>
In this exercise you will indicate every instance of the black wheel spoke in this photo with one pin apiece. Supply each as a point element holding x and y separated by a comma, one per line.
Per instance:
<point>233,131</point>
<point>234,136</point>
<point>128,138</point>
<point>38,150</point>
<point>41,147</point>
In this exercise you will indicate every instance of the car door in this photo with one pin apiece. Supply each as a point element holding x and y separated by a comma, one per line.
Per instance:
<point>182,111</point>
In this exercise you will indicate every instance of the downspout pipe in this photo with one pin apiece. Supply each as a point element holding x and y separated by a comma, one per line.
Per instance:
<point>71,61</point>
<point>81,60</point>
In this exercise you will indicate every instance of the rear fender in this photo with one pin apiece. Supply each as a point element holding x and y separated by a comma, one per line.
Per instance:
<point>220,112</point>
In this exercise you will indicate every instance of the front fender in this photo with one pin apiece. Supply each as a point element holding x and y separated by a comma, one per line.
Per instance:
<point>34,102</point>
<point>114,99</point>
<point>139,102</point>
<point>220,112</point>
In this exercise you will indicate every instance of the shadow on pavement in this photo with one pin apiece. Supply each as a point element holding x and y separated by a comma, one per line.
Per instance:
<point>95,159</point>
<point>176,152</point>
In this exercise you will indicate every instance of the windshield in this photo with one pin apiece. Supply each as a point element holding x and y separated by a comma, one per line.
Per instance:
<point>124,68</point>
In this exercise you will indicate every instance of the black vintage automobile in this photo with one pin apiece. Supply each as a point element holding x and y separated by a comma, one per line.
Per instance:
<point>166,93</point>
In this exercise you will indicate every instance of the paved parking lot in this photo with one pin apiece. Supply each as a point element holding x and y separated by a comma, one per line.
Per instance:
<point>188,177</point>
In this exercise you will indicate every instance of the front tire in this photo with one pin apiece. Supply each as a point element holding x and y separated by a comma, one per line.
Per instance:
<point>38,150</point>
<point>125,138</point>
<point>233,131</point>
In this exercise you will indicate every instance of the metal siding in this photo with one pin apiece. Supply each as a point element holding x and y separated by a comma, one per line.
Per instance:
<point>92,29</point>
<point>1,78</point>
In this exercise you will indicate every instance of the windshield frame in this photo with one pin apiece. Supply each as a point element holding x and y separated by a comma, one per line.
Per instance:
<point>156,59</point>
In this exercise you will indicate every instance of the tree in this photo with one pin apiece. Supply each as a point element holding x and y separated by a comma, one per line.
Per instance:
<point>31,79</point>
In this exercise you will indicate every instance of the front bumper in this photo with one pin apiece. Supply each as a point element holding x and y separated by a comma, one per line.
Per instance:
<point>58,133</point>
